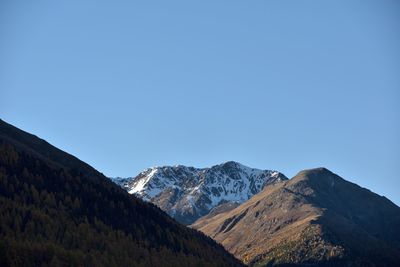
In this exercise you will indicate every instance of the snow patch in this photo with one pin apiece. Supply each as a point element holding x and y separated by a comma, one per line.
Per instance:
<point>140,185</point>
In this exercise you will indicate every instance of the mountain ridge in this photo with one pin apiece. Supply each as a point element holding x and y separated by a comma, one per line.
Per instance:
<point>188,193</point>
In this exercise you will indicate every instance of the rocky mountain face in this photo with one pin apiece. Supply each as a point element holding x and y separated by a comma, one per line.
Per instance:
<point>315,219</point>
<point>188,193</point>
<point>56,210</point>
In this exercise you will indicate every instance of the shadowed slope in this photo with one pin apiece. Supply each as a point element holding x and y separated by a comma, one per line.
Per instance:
<point>56,210</point>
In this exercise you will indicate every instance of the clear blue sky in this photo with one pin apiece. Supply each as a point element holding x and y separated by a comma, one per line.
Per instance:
<point>284,85</point>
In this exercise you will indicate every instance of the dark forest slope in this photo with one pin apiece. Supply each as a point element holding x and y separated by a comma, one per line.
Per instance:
<point>55,210</point>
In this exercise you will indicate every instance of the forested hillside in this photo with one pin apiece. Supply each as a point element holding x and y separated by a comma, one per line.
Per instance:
<point>57,211</point>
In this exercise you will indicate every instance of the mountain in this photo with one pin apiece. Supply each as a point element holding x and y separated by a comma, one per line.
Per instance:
<point>315,218</point>
<point>56,210</point>
<point>188,193</point>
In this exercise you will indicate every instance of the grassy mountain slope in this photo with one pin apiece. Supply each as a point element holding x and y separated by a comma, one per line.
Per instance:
<point>316,218</point>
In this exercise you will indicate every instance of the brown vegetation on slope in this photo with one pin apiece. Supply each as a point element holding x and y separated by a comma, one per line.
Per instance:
<point>314,218</point>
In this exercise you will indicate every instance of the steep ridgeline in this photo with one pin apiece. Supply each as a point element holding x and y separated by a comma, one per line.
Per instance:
<point>188,193</point>
<point>315,219</point>
<point>55,210</point>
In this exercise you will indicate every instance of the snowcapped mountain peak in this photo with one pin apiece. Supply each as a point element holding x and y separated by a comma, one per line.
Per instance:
<point>147,174</point>
<point>187,193</point>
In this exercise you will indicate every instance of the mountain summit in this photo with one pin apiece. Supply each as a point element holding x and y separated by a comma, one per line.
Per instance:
<point>188,193</point>
<point>315,218</point>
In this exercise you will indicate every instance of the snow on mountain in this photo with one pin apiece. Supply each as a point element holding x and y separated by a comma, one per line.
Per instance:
<point>188,193</point>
